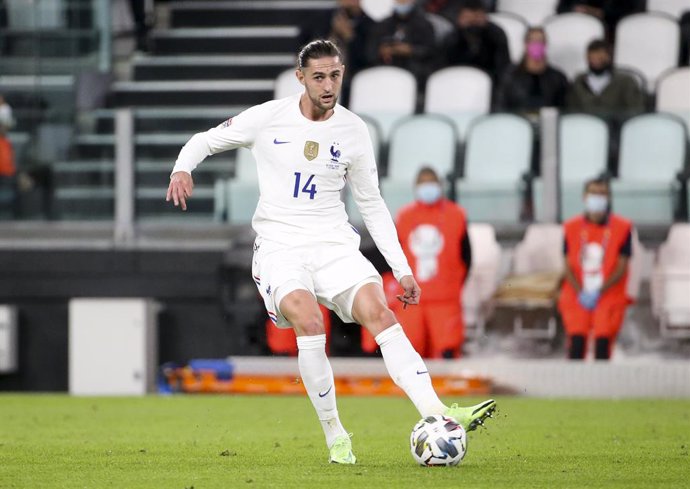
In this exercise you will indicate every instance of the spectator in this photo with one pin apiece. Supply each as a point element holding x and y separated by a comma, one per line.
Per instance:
<point>349,27</point>
<point>405,39</point>
<point>449,8</point>
<point>602,91</point>
<point>533,83</point>
<point>593,297</point>
<point>8,170</point>
<point>478,42</point>
<point>433,234</point>
<point>608,11</point>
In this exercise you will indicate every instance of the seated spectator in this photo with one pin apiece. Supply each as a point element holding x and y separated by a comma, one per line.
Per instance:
<point>478,42</point>
<point>602,91</point>
<point>348,26</point>
<point>433,234</point>
<point>593,298</point>
<point>406,40</point>
<point>608,11</point>
<point>533,83</point>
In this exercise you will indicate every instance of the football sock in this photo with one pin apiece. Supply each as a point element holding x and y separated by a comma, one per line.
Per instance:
<point>408,371</point>
<point>317,377</point>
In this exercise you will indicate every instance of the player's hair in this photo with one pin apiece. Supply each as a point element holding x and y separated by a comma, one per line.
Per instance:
<point>598,180</point>
<point>535,29</point>
<point>320,48</point>
<point>597,45</point>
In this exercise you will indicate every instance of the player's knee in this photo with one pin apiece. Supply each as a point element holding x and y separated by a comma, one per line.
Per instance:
<point>309,325</point>
<point>379,318</point>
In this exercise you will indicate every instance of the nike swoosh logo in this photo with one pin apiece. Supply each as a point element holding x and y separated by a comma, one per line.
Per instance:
<point>326,393</point>
<point>421,373</point>
<point>275,141</point>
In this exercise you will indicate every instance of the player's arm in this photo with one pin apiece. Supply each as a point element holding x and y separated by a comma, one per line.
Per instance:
<point>239,131</point>
<point>363,181</point>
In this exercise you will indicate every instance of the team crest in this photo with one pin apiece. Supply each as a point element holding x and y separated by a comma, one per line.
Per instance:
<point>311,150</point>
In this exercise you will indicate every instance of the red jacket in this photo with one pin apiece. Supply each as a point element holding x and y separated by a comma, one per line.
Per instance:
<point>431,237</point>
<point>7,168</point>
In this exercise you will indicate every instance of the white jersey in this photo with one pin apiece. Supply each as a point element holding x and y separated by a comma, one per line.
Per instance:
<point>302,167</point>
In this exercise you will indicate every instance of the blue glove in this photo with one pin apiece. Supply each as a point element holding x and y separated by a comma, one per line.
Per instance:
<point>588,300</point>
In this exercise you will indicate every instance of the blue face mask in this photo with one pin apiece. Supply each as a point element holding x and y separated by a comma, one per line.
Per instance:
<point>596,203</point>
<point>428,192</point>
<point>403,8</point>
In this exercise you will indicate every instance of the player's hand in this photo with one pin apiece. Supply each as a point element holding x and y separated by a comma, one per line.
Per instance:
<point>180,189</point>
<point>411,289</point>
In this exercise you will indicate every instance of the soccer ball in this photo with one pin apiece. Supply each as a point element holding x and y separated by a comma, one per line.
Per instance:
<point>438,440</point>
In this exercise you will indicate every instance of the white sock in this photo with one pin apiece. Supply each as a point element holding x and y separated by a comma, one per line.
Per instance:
<point>408,371</point>
<point>317,377</point>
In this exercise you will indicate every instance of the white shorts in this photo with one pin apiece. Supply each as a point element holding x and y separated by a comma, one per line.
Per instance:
<point>333,273</point>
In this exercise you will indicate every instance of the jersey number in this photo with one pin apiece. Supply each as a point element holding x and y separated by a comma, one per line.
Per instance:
<point>308,188</point>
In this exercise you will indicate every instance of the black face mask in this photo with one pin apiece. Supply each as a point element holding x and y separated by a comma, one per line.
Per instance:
<point>600,70</point>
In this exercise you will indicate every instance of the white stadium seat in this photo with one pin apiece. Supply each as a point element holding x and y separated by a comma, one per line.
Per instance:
<point>287,84</point>
<point>483,279</point>
<point>497,155</point>
<point>674,8</point>
<point>673,94</point>
<point>533,11</point>
<point>670,284</point>
<point>583,148</point>
<point>421,140</point>
<point>648,43</point>
<point>652,153</point>
<point>461,93</point>
<point>568,36</point>
<point>243,189</point>
<point>515,28</point>
<point>384,93</point>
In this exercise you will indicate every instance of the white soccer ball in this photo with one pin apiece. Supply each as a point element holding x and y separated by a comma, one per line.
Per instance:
<point>438,440</point>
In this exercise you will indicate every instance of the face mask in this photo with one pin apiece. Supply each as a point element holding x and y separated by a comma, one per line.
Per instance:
<point>601,70</point>
<point>403,8</point>
<point>536,50</point>
<point>596,203</point>
<point>428,192</point>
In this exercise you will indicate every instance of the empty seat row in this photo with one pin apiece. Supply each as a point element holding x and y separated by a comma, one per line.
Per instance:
<point>492,181</point>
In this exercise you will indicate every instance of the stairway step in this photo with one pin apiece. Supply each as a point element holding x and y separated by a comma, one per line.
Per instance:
<point>225,40</point>
<point>202,92</point>
<point>211,67</point>
<point>215,13</point>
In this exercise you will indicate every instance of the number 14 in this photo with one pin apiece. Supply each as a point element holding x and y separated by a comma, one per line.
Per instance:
<point>307,188</point>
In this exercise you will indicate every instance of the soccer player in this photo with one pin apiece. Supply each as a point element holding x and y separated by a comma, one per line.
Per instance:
<point>306,148</point>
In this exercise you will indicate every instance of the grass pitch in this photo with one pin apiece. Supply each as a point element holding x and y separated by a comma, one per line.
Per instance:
<point>200,442</point>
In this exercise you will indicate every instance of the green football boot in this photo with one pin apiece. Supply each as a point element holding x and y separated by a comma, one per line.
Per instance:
<point>341,451</point>
<point>473,416</point>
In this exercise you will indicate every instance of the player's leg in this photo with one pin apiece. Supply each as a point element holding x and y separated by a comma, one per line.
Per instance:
<point>415,326</point>
<point>404,364</point>
<point>301,310</point>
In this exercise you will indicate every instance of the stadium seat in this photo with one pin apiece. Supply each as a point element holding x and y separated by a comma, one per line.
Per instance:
<point>378,9</point>
<point>461,93</point>
<point>568,36</point>
<point>515,28</point>
<point>497,156</point>
<point>243,189</point>
<point>652,154</point>
<point>648,43</point>
<point>583,147</point>
<point>533,11</point>
<point>538,259</point>
<point>674,8</point>
<point>287,84</point>
<point>421,140</point>
<point>483,279</point>
<point>670,283</point>
<point>384,93</point>
<point>673,94</point>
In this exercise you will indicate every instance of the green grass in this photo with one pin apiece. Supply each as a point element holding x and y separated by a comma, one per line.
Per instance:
<point>52,441</point>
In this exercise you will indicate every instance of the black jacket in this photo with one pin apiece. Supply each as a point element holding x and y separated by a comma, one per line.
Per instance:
<point>520,91</point>
<point>484,48</point>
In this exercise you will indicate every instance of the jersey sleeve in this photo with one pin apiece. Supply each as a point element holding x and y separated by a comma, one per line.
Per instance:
<point>236,132</point>
<point>364,184</point>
